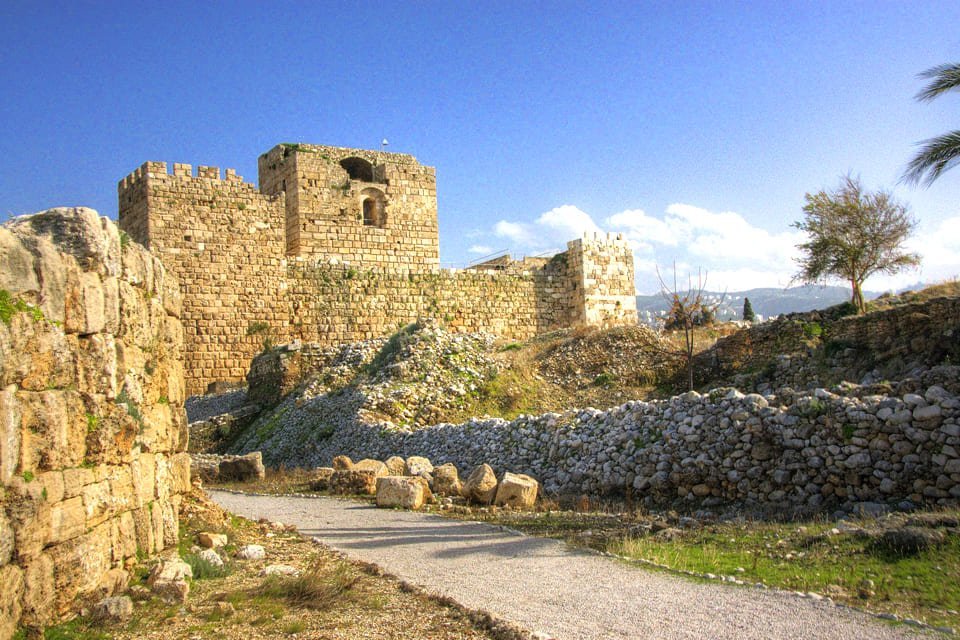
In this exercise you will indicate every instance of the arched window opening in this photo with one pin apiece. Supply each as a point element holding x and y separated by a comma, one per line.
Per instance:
<point>358,169</point>
<point>374,209</point>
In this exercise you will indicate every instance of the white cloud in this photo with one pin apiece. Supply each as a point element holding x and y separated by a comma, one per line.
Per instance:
<point>735,253</point>
<point>480,249</point>
<point>939,250</point>
<point>516,232</point>
<point>567,222</point>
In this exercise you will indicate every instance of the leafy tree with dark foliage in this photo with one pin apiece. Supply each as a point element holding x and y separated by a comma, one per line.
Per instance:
<point>938,154</point>
<point>854,234</point>
<point>748,314</point>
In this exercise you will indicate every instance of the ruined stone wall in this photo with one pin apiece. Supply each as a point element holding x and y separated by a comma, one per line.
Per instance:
<point>92,426</point>
<point>224,241</point>
<point>325,205</point>
<point>890,340</point>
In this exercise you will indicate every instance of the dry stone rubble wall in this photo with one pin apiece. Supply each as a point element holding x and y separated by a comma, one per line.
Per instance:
<point>797,451</point>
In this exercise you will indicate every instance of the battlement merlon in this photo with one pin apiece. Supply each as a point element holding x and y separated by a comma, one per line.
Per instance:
<point>180,170</point>
<point>593,238</point>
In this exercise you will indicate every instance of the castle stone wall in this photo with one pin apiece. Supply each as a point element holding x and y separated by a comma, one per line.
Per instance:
<point>92,426</point>
<point>341,245</point>
<point>225,241</point>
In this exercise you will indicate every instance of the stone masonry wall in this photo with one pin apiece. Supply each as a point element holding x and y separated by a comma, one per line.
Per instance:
<point>325,205</point>
<point>224,241</point>
<point>603,270</point>
<point>92,426</point>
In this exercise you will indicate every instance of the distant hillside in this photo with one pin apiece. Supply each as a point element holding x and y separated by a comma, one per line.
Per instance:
<point>768,302</point>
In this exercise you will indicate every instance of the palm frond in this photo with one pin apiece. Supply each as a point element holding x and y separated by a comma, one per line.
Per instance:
<point>945,77</point>
<point>935,156</point>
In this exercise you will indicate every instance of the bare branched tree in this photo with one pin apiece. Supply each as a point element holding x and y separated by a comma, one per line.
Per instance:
<point>688,310</point>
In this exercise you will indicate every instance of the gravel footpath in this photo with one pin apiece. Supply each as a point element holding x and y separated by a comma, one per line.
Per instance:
<point>544,586</point>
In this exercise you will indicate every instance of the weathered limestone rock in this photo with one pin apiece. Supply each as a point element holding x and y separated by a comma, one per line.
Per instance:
<point>400,491</point>
<point>481,485</point>
<point>446,480</point>
<point>377,467</point>
<point>353,482</point>
<point>243,468</point>
<point>211,556</point>
<point>342,463</point>
<point>115,609</point>
<point>252,552</point>
<point>168,579</point>
<point>211,540</point>
<point>517,490</point>
<point>418,465</point>
<point>396,465</point>
<point>280,570</point>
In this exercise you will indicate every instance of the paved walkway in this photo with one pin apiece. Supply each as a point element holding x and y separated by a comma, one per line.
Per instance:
<point>544,586</point>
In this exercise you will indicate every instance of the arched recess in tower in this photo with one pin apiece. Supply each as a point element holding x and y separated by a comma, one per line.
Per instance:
<point>373,204</point>
<point>358,169</point>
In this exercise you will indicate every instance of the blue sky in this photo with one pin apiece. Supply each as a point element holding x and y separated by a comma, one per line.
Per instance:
<point>693,127</point>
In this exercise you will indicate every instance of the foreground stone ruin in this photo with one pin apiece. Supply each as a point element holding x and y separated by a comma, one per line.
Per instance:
<point>92,427</point>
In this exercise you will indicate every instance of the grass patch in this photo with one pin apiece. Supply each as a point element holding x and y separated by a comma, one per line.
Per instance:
<point>808,556</point>
<point>10,305</point>
<point>318,587</point>
<point>203,569</point>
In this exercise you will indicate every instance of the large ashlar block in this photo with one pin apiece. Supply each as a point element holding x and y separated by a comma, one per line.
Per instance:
<point>53,429</point>
<point>39,591</point>
<point>10,441</point>
<point>79,564</point>
<point>68,519</point>
<point>11,598</point>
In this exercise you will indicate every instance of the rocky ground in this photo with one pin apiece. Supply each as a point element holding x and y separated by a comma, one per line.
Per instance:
<point>325,595</point>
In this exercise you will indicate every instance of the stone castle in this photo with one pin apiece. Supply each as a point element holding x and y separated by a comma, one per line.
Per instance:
<point>340,245</point>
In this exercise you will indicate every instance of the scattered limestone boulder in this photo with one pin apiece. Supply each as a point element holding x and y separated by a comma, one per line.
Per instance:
<point>211,556</point>
<point>517,490</point>
<point>342,463</point>
<point>353,482</point>
<point>280,570</point>
<point>396,465</point>
<point>427,491</point>
<point>168,579</point>
<point>418,465</point>
<point>252,552</point>
<point>114,609</point>
<point>211,540</point>
<point>321,479</point>
<point>400,491</point>
<point>446,480</point>
<point>243,468</point>
<point>481,485</point>
<point>378,468</point>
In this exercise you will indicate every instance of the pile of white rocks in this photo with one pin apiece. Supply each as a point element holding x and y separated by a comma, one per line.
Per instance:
<point>799,451</point>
